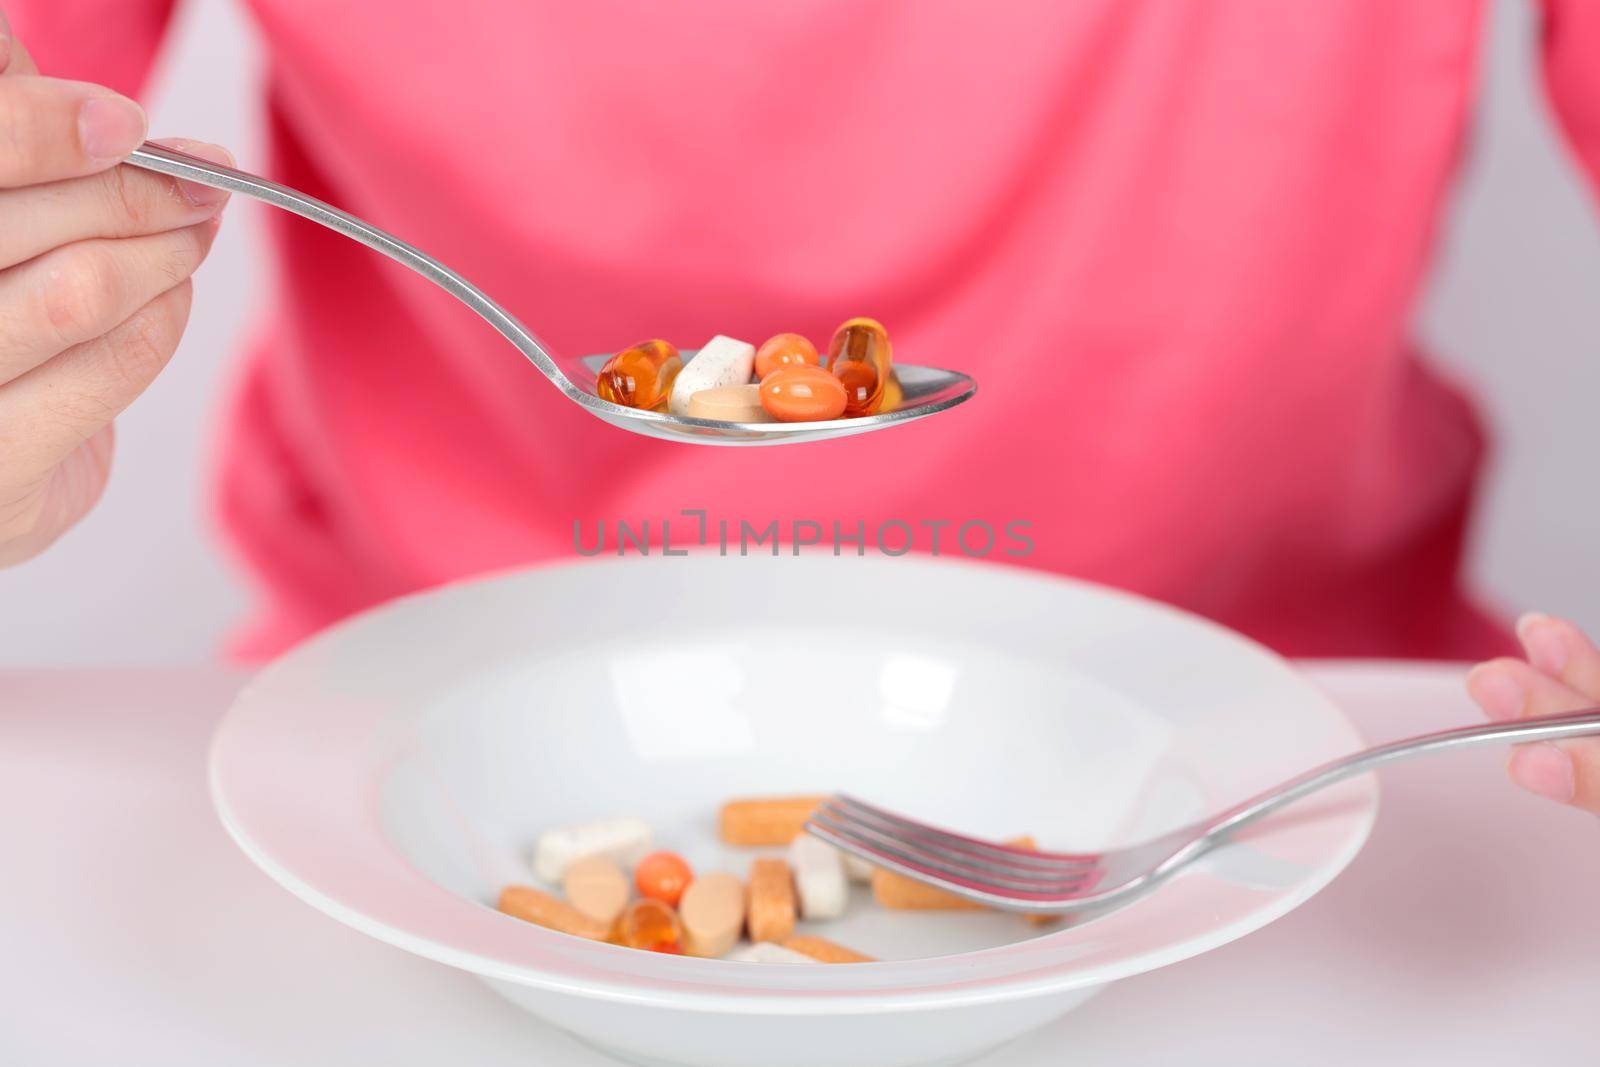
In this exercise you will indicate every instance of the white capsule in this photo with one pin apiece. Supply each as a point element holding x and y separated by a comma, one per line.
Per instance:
<point>768,952</point>
<point>625,840</point>
<point>857,869</point>
<point>723,361</point>
<point>818,877</point>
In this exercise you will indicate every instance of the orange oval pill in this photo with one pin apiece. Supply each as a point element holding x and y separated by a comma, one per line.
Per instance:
<point>802,394</point>
<point>786,350</point>
<point>663,876</point>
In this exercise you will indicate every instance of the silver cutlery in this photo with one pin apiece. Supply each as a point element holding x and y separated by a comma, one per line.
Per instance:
<point>1014,878</point>
<point>927,390</point>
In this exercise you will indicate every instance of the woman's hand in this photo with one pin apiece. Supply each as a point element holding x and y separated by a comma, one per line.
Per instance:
<point>1561,673</point>
<point>95,262</point>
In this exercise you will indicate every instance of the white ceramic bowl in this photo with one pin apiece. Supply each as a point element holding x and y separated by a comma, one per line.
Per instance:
<point>394,770</point>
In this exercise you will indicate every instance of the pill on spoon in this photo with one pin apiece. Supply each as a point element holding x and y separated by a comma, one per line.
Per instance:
<point>723,361</point>
<point>730,403</point>
<point>712,911</point>
<point>640,376</point>
<point>803,394</point>
<point>783,350</point>
<point>819,877</point>
<point>598,887</point>
<point>625,840</point>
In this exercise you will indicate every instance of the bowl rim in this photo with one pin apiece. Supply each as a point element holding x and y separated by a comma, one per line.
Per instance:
<point>478,939</point>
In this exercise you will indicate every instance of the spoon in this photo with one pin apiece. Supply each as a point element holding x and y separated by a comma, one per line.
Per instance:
<point>926,390</point>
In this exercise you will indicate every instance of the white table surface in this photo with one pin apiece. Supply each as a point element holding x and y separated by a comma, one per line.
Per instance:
<point>132,931</point>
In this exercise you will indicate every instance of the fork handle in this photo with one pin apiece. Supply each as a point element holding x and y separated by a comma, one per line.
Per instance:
<point>164,160</point>
<point>1549,728</point>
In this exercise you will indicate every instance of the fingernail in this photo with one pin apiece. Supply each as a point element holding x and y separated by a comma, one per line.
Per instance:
<point>1497,693</point>
<point>204,195</point>
<point>1544,641</point>
<point>1544,769</point>
<point>109,127</point>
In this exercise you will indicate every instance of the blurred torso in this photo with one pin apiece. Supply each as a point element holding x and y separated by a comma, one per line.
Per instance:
<point>1176,244</point>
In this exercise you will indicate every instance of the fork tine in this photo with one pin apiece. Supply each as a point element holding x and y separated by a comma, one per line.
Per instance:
<point>929,869</point>
<point>956,866</point>
<point>1011,855</point>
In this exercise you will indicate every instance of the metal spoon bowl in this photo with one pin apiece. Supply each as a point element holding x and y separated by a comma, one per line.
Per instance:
<point>926,390</point>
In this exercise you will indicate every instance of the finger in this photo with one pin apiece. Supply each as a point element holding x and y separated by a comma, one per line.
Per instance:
<point>53,409</point>
<point>52,129</point>
<point>1561,650</point>
<point>1509,689</point>
<point>76,293</point>
<point>120,202</point>
<point>1566,771</point>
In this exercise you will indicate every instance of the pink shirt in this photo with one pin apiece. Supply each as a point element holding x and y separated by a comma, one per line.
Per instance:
<point>1177,244</point>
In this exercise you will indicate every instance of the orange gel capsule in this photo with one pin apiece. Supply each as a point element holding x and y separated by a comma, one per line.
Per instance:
<point>785,350</point>
<point>893,395</point>
<point>860,357</point>
<point>640,376</point>
<point>663,876</point>
<point>802,394</point>
<point>652,926</point>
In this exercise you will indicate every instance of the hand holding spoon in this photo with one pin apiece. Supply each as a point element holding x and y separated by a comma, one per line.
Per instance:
<point>927,390</point>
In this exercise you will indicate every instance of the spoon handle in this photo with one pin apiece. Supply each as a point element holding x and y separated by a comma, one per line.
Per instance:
<point>1548,728</point>
<point>203,172</point>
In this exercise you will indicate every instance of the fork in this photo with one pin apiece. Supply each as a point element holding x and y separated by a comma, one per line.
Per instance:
<point>1021,879</point>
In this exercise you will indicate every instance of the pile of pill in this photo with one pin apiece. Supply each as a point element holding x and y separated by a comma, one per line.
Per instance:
<point>665,906</point>
<point>786,379</point>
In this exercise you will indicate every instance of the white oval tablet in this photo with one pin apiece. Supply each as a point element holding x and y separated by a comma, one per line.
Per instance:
<point>625,840</point>
<point>723,361</point>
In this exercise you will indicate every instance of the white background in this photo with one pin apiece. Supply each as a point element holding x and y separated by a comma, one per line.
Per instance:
<point>1514,308</point>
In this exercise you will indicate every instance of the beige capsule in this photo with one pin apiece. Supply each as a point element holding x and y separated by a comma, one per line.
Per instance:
<point>759,821</point>
<point>897,891</point>
<point>772,902</point>
<point>712,910</point>
<point>824,951</point>
<point>894,890</point>
<point>538,907</point>
<point>598,887</point>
